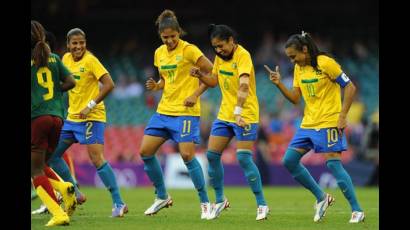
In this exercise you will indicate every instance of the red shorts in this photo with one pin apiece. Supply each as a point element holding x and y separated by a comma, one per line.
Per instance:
<point>45,132</point>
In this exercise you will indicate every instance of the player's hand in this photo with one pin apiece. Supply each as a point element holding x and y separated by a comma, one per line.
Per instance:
<point>341,124</point>
<point>274,76</point>
<point>83,114</point>
<point>195,72</point>
<point>190,101</point>
<point>239,121</point>
<point>151,84</point>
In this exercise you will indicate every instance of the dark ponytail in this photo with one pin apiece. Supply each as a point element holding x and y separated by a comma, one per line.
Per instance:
<point>297,41</point>
<point>40,50</point>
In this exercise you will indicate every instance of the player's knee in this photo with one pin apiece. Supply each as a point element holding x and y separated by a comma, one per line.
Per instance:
<point>145,153</point>
<point>187,156</point>
<point>97,159</point>
<point>244,159</point>
<point>335,166</point>
<point>213,156</point>
<point>289,161</point>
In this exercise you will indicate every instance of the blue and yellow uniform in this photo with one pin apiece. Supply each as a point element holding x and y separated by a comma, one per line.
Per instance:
<point>321,93</point>
<point>87,73</point>
<point>228,73</point>
<point>173,119</point>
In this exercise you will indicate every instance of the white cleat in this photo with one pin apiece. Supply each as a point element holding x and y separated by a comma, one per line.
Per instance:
<point>357,217</point>
<point>322,206</point>
<point>158,205</point>
<point>218,208</point>
<point>205,210</point>
<point>42,210</point>
<point>262,212</point>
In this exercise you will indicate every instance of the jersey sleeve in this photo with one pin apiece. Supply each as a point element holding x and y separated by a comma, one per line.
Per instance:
<point>334,71</point>
<point>244,64</point>
<point>97,68</point>
<point>330,67</point>
<point>192,53</point>
<point>155,58</point>
<point>215,67</point>
<point>296,77</point>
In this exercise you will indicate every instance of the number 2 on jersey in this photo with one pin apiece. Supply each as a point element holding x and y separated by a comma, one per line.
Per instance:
<point>44,80</point>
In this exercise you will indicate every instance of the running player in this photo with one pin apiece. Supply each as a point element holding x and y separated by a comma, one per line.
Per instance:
<point>49,79</point>
<point>318,78</point>
<point>238,115</point>
<point>86,117</point>
<point>178,112</point>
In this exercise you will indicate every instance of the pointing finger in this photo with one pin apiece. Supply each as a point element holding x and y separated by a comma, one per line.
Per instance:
<point>267,68</point>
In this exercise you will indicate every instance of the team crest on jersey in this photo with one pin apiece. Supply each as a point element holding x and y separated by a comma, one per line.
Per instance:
<point>234,65</point>
<point>82,69</point>
<point>318,72</point>
<point>178,58</point>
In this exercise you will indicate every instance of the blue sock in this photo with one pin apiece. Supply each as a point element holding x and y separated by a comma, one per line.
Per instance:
<point>154,172</point>
<point>291,160</point>
<point>216,174</point>
<point>57,163</point>
<point>197,177</point>
<point>345,182</point>
<point>252,174</point>
<point>108,178</point>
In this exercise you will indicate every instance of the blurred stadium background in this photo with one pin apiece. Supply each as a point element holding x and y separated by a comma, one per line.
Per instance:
<point>123,36</point>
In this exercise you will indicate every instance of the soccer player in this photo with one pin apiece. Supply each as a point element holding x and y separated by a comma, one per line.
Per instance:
<point>49,79</point>
<point>178,112</point>
<point>51,41</point>
<point>86,117</point>
<point>318,78</point>
<point>238,115</point>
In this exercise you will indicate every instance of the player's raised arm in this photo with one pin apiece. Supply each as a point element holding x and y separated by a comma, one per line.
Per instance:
<point>292,95</point>
<point>208,79</point>
<point>205,66</point>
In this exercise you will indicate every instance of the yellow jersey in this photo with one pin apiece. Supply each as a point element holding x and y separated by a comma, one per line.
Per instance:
<point>228,73</point>
<point>86,72</point>
<point>320,92</point>
<point>174,67</point>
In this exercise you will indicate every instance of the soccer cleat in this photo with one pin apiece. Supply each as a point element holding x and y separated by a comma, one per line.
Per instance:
<point>58,220</point>
<point>42,210</point>
<point>322,206</point>
<point>81,199</point>
<point>262,212</point>
<point>218,208</point>
<point>158,205</point>
<point>357,217</point>
<point>69,198</point>
<point>205,210</point>
<point>119,210</point>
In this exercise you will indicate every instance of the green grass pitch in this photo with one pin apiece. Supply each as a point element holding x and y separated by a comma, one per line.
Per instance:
<point>291,208</point>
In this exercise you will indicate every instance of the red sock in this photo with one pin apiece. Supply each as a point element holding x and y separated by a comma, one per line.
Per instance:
<point>42,181</point>
<point>50,173</point>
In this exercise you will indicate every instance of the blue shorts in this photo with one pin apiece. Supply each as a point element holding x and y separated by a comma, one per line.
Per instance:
<point>325,140</point>
<point>87,132</point>
<point>230,129</point>
<point>177,128</point>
